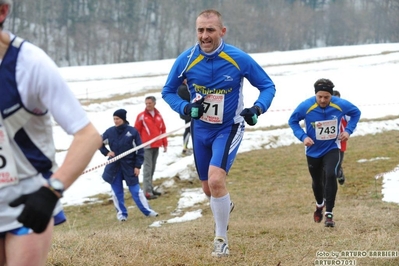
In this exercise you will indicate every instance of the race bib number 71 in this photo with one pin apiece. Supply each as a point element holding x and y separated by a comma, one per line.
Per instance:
<point>213,109</point>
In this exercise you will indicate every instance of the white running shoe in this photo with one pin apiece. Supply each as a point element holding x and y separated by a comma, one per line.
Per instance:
<point>153,214</point>
<point>220,248</point>
<point>123,219</point>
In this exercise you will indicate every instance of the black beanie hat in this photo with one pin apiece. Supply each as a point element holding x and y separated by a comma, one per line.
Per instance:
<point>324,85</point>
<point>121,113</point>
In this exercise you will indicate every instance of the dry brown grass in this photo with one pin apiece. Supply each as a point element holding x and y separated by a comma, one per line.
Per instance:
<point>271,225</point>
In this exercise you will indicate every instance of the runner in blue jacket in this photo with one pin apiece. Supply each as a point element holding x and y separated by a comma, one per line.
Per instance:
<point>121,138</point>
<point>322,137</point>
<point>215,73</point>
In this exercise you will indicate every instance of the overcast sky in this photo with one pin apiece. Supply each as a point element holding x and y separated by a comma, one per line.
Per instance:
<point>363,75</point>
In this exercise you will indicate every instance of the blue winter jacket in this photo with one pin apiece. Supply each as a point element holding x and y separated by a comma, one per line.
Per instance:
<point>121,139</point>
<point>311,112</point>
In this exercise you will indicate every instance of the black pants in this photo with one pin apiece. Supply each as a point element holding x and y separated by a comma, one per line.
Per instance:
<point>324,171</point>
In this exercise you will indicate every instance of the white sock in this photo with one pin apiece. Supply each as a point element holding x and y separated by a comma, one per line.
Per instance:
<point>319,205</point>
<point>221,214</point>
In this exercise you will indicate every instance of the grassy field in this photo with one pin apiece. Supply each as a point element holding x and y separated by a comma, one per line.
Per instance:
<point>272,223</point>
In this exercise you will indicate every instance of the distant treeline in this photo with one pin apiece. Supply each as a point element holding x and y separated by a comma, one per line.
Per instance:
<point>89,32</point>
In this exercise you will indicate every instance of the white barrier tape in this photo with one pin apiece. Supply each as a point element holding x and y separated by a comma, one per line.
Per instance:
<point>135,149</point>
<point>360,105</point>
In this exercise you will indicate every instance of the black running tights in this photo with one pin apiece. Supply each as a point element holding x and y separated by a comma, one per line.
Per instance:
<point>324,171</point>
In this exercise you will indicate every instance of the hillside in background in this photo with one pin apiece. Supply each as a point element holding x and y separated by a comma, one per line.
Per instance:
<point>77,32</point>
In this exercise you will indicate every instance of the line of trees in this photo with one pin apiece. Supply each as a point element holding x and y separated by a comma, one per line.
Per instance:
<point>89,32</point>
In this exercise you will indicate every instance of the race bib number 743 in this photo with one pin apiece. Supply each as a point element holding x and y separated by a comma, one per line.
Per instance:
<point>326,129</point>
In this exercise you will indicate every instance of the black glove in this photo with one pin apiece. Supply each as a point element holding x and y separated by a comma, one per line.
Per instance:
<point>195,110</point>
<point>251,115</point>
<point>38,210</point>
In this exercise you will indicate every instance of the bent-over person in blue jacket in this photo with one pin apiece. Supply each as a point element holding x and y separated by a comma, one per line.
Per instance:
<point>121,138</point>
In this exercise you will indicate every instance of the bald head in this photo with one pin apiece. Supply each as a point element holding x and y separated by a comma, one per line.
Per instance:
<point>211,12</point>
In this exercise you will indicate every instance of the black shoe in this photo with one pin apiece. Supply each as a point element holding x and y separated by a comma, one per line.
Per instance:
<point>341,179</point>
<point>186,152</point>
<point>329,220</point>
<point>150,196</point>
<point>156,193</point>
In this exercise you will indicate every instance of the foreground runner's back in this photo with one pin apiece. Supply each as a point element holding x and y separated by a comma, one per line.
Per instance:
<point>31,183</point>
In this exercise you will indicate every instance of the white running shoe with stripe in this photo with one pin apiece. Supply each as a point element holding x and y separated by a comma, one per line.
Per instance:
<point>220,248</point>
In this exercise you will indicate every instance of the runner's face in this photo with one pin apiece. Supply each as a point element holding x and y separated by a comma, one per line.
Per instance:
<point>209,32</point>
<point>323,98</point>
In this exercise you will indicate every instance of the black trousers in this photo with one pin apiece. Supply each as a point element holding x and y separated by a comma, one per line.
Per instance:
<point>324,172</point>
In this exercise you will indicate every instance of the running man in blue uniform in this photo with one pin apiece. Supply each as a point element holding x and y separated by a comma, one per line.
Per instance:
<point>215,73</point>
<point>322,137</point>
